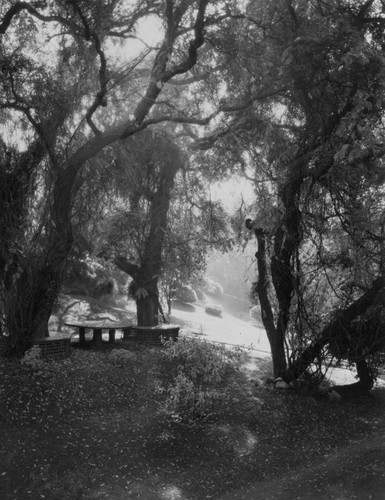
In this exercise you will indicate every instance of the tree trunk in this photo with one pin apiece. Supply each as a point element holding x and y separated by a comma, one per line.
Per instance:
<point>365,375</point>
<point>332,330</point>
<point>32,283</point>
<point>147,310</point>
<point>29,301</point>
<point>364,384</point>
<point>146,275</point>
<point>276,340</point>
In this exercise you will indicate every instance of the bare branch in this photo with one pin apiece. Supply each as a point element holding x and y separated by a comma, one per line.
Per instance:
<point>31,9</point>
<point>195,78</point>
<point>194,45</point>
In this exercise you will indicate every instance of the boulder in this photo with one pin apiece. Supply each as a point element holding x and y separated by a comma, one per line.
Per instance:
<point>201,295</point>
<point>214,310</point>
<point>186,294</point>
<point>281,384</point>
<point>213,288</point>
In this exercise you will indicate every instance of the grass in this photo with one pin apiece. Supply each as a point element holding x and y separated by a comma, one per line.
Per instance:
<point>92,427</point>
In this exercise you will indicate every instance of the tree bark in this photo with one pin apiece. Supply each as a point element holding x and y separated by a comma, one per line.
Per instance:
<point>147,273</point>
<point>262,287</point>
<point>147,309</point>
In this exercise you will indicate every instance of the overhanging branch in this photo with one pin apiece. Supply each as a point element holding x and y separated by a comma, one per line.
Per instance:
<point>357,308</point>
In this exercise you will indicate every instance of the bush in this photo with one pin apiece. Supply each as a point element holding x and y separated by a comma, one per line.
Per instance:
<point>186,293</point>
<point>121,357</point>
<point>194,375</point>
<point>32,358</point>
<point>93,277</point>
<point>213,288</point>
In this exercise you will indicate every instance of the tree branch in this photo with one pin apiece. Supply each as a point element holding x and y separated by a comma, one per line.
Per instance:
<point>31,8</point>
<point>126,266</point>
<point>333,329</point>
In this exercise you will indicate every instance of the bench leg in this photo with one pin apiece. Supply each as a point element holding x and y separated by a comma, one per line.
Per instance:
<point>97,338</point>
<point>111,335</point>
<point>82,335</point>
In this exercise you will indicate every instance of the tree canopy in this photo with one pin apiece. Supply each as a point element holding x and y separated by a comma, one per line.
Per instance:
<point>303,114</point>
<point>70,87</point>
<point>290,93</point>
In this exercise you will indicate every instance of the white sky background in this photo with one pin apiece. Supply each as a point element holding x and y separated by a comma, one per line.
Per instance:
<point>231,192</point>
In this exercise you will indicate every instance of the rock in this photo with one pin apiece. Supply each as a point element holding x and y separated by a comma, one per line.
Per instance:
<point>257,382</point>
<point>213,310</point>
<point>186,294</point>
<point>213,288</point>
<point>281,384</point>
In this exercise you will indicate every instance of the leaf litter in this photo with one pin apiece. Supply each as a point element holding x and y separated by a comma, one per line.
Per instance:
<point>87,428</point>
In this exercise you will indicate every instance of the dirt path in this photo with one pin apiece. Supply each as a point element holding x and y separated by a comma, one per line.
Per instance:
<point>354,472</point>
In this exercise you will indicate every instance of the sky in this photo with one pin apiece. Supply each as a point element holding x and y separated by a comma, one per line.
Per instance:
<point>231,192</point>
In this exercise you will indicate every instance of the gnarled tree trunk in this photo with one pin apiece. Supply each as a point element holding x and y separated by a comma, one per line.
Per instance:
<point>262,288</point>
<point>147,273</point>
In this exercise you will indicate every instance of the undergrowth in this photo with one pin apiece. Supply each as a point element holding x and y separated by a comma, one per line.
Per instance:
<point>108,425</point>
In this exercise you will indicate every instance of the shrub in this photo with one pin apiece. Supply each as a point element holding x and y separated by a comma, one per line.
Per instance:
<point>186,293</point>
<point>32,358</point>
<point>121,357</point>
<point>90,276</point>
<point>213,288</point>
<point>194,375</point>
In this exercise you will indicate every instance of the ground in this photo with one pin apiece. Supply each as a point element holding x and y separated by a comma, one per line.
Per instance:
<point>90,428</point>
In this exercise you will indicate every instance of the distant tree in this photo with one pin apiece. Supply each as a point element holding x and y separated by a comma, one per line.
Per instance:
<point>137,232</point>
<point>136,210</point>
<point>197,225</point>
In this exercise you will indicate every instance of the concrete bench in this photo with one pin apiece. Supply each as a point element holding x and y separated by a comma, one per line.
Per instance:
<point>97,328</point>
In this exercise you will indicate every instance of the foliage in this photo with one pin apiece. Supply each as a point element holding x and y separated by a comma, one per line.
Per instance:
<point>32,358</point>
<point>136,203</point>
<point>88,275</point>
<point>212,287</point>
<point>364,338</point>
<point>66,95</point>
<point>302,114</point>
<point>194,375</point>
<point>121,357</point>
<point>186,293</point>
<point>234,270</point>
